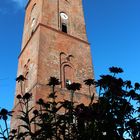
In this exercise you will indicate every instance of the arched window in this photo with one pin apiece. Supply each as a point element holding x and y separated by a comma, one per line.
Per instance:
<point>33,22</point>
<point>67,75</point>
<point>26,82</point>
<point>26,75</point>
<point>66,69</point>
<point>33,16</point>
<point>63,22</point>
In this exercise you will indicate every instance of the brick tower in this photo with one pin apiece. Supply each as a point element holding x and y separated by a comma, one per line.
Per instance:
<point>54,44</point>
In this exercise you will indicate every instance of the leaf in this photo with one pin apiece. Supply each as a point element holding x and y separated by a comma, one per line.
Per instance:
<point>27,96</point>
<point>26,127</point>
<point>26,112</point>
<point>20,78</point>
<point>53,81</point>
<point>115,70</point>
<point>33,119</point>
<point>24,119</point>
<point>74,86</point>
<point>89,82</point>
<point>137,86</point>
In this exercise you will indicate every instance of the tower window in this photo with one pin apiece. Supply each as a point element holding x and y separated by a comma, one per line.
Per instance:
<point>64,27</point>
<point>33,18</point>
<point>68,82</point>
<point>33,22</point>
<point>63,22</point>
<point>67,75</point>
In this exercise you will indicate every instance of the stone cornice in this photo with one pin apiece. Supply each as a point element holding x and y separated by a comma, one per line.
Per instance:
<point>53,29</point>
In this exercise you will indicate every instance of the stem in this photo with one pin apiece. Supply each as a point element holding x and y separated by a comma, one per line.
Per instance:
<point>99,91</point>
<point>65,125</point>
<point>35,125</point>
<point>92,98</point>
<point>53,91</point>
<point>127,105</point>
<point>72,95</point>
<point>6,128</point>
<point>29,118</point>
<point>54,107</point>
<point>114,74</point>
<point>129,99</point>
<point>21,88</point>
<point>89,92</point>
<point>41,109</point>
<point>1,131</point>
<point>98,109</point>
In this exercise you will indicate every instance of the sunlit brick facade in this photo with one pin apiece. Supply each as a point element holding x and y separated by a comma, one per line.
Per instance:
<point>54,44</point>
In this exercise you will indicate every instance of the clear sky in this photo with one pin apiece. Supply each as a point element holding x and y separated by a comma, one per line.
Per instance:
<point>113,29</point>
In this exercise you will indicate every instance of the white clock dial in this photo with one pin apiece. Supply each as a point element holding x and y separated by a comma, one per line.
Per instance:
<point>63,16</point>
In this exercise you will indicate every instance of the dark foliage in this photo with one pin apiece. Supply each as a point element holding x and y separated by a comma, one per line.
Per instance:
<point>74,86</point>
<point>115,115</point>
<point>20,78</point>
<point>115,70</point>
<point>53,81</point>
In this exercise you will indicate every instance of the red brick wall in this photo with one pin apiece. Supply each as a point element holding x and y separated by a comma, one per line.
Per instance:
<point>46,50</point>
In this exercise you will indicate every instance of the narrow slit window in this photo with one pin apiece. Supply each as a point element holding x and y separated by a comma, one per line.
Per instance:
<point>63,22</point>
<point>64,28</point>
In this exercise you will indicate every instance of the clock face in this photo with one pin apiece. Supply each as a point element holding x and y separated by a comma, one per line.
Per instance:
<point>63,16</point>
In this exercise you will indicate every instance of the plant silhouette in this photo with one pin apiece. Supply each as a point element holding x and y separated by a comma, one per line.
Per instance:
<point>115,114</point>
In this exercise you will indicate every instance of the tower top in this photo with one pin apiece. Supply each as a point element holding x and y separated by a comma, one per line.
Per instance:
<point>64,16</point>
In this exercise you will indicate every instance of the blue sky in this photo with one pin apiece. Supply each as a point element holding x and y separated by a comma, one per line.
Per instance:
<point>113,29</point>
